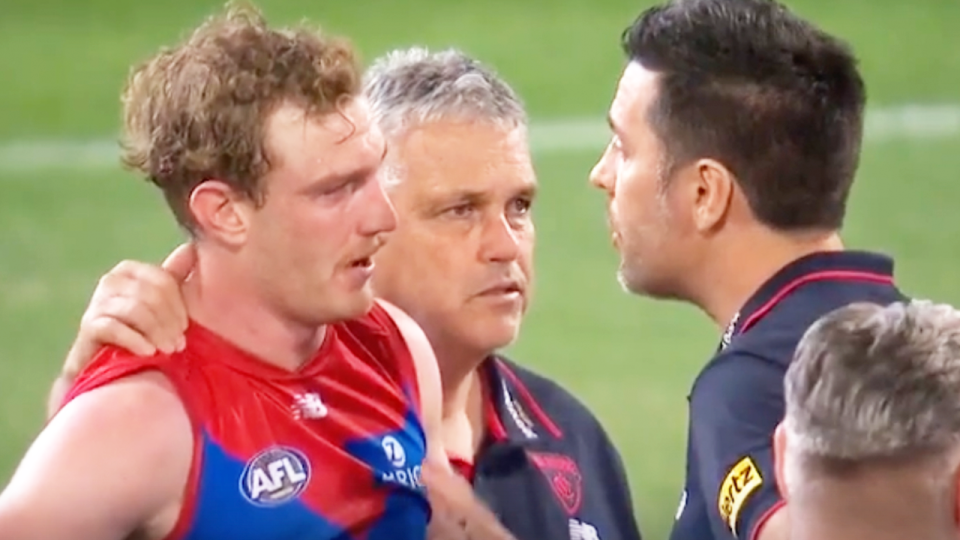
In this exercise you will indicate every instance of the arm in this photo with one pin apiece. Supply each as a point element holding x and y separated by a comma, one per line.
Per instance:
<point>98,471</point>
<point>82,351</point>
<point>457,513</point>
<point>735,408</point>
<point>136,306</point>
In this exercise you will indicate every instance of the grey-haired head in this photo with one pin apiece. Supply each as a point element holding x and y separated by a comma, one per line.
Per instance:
<point>870,381</point>
<point>414,86</point>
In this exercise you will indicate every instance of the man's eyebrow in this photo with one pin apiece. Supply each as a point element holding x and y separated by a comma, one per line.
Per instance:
<point>356,175</point>
<point>529,191</point>
<point>460,196</point>
<point>338,179</point>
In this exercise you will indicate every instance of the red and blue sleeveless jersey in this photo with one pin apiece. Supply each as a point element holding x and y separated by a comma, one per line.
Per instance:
<point>332,451</point>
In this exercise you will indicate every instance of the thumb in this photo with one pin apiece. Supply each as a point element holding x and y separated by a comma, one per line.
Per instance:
<point>181,261</point>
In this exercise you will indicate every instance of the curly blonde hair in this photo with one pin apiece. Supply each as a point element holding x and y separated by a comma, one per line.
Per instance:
<point>197,111</point>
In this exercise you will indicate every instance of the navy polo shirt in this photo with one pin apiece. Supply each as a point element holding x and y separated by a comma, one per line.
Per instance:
<point>737,399</point>
<point>548,469</point>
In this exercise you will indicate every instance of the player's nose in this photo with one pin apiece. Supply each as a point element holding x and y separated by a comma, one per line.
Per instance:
<point>381,216</point>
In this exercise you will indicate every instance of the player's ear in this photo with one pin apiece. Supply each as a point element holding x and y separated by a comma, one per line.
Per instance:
<point>779,452</point>
<point>221,212</point>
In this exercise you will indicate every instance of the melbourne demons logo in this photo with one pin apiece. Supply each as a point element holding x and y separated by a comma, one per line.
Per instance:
<point>275,476</point>
<point>564,477</point>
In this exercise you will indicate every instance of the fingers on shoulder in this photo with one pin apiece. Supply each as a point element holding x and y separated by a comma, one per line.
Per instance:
<point>134,278</point>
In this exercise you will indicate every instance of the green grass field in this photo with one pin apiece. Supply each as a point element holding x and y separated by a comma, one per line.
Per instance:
<point>68,214</point>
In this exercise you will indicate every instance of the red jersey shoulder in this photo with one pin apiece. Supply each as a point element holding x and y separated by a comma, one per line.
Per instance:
<point>378,335</point>
<point>111,364</point>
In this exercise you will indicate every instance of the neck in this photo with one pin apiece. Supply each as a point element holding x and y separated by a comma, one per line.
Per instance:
<point>888,506</point>
<point>746,266</point>
<point>214,299</point>
<point>810,530</point>
<point>464,423</point>
<point>819,523</point>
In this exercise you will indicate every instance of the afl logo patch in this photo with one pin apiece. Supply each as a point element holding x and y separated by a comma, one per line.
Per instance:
<point>275,476</point>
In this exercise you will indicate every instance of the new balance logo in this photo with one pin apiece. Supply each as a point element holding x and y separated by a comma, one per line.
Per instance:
<point>309,406</point>
<point>582,531</point>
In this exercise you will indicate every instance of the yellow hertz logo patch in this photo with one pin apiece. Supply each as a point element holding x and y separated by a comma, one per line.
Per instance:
<point>743,479</point>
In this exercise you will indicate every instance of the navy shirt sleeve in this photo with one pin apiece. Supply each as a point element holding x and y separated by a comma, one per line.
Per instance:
<point>620,496</point>
<point>736,405</point>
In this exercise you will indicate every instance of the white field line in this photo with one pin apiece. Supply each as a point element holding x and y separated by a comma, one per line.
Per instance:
<point>906,122</point>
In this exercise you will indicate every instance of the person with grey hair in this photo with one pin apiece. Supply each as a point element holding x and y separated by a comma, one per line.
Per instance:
<point>460,175</point>
<point>869,447</point>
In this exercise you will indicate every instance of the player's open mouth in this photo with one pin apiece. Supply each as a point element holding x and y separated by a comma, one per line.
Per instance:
<point>365,262</point>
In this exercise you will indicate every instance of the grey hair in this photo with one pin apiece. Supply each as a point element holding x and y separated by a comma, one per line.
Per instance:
<point>872,382</point>
<point>415,86</point>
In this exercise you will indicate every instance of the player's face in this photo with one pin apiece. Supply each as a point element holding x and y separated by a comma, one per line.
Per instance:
<point>324,216</point>
<point>640,203</point>
<point>460,261</point>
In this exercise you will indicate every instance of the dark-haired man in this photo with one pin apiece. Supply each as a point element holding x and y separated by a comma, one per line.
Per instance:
<point>736,135</point>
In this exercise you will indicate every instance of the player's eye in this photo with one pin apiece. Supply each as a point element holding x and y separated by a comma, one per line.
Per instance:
<point>339,189</point>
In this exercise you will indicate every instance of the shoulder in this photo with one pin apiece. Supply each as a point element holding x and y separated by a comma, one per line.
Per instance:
<point>739,393</point>
<point>390,333</point>
<point>140,419</point>
<point>579,443</point>
<point>410,340</point>
<point>422,360</point>
<point>127,402</point>
<point>386,336</point>
<point>113,364</point>
<point>567,412</point>
<point>383,321</point>
<point>752,367</point>
<point>133,422</point>
<point>114,457</point>
<point>389,315</point>
<point>739,369</point>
